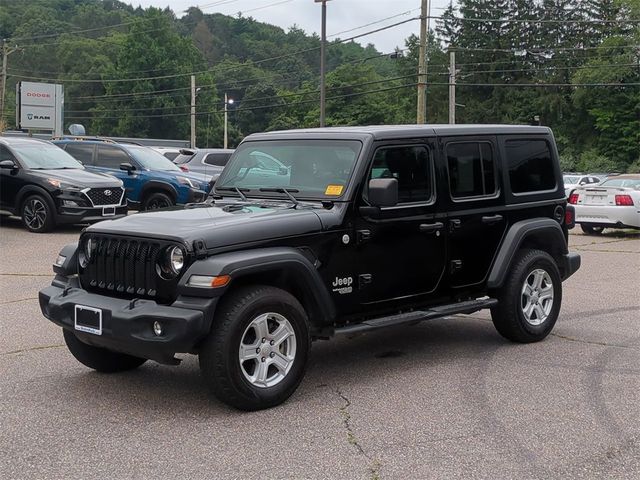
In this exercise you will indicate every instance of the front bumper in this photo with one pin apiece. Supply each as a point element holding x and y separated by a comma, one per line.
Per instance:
<point>612,216</point>
<point>127,326</point>
<point>70,215</point>
<point>196,196</point>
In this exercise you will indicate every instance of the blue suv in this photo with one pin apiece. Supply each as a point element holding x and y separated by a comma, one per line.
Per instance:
<point>150,180</point>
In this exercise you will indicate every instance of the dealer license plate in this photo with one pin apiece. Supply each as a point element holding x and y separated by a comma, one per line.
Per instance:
<point>88,319</point>
<point>108,211</point>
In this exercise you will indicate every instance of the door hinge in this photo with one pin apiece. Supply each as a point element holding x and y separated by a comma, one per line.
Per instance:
<point>454,224</point>
<point>363,236</point>
<point>364,280</point>
<point>455,265</point>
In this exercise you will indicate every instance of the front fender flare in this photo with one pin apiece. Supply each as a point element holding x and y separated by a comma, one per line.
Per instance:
<point>264,260</point>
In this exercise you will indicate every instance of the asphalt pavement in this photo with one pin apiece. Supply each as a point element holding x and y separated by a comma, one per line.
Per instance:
<point>447,398</point>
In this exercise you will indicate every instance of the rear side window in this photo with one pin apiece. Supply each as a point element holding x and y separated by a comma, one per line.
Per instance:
<point>111,157</point>
<point>530,166</point>
<point>217,159</point>
<point>411,166</point>
<point>82,153</point>
<point>472,171</point>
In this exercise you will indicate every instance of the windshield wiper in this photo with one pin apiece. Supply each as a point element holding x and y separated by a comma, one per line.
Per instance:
<point>237,190</point>
<point>286,191</point>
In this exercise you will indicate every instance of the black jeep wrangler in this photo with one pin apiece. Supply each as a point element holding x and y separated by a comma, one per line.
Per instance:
<point>313,233</point>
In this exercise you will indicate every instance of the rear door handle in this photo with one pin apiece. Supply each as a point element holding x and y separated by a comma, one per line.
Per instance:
<point>431,227</point>
<point>492,219</point>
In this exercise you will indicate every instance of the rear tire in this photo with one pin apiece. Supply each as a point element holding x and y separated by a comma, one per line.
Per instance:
<point>589,230</point>
<point>37,214</point>
<point>157,201</point>
<point>100,359</point>
<point>256,353</point>
<point>530,298</point>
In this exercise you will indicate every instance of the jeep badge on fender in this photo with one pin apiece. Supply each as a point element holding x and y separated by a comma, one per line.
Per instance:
<point>444,220</point>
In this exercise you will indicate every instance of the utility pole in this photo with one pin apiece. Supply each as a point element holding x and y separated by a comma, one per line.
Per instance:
<point>323,45</point>
<point>6,51</point>
<point>422,64</point>
<point>452,86</point>
<point>193,111</point>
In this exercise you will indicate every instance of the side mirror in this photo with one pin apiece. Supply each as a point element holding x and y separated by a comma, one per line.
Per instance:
<point>283,171</point>
<point>383,192</point>
<point>8,164</point>
<point>583,183</point>
<point>127,167</point>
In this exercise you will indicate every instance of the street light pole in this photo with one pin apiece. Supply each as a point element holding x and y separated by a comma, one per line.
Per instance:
<point>193,111</point>
<point>421,116</point>
<point>227,101</point>
<point>323,44</point>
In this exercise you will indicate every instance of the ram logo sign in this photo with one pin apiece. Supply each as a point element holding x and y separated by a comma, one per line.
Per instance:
<point>39,106</point>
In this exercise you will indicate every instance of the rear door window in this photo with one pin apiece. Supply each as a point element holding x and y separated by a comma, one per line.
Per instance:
<point>472,171</point>
<point>81,152</point>
<point>530,165</point>
<point>111,157</point>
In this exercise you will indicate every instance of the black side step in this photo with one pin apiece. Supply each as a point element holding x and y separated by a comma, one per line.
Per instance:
<point>469,306</point>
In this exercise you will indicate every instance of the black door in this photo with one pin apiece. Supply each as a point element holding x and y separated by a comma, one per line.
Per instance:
<point>10,180</point>
<point>476,221</point>
<point>401,252</point>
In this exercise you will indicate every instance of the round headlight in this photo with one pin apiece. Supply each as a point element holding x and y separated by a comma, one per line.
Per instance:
<point>88,248</point>
<point>86,252</point>
<point>176,259</point>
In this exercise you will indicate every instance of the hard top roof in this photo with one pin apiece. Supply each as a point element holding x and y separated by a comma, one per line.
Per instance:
<point>379,132</point>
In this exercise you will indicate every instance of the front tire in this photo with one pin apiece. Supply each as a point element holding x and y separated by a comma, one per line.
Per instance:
<point>37,214</point>
<point>256,353</point>
<point>590,230</point>
<point>156,201</point>
<point>529,301</point>
<point>100,359</point>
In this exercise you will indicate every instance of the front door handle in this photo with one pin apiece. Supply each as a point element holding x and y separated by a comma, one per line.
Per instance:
<point>490,220</point>
<point>431,227</point>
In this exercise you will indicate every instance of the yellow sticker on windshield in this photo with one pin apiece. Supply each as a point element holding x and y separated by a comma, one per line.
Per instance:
<point>333,190</point>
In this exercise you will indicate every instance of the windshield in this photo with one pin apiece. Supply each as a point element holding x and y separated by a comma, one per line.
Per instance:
<point>150,159</point>
<point>310,168</point>
<point>621,182</point>
<point>44,156</point>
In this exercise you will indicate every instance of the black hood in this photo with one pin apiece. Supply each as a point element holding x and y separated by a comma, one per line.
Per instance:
<point>217,225</point>
<point>79,177</point>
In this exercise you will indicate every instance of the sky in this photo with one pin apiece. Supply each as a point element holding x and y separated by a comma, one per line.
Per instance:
<point>341,15</point>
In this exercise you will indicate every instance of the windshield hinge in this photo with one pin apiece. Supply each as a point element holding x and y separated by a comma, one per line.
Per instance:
<point>200,249</point>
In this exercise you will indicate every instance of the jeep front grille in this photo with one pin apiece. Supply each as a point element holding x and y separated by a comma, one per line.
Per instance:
<point>126,267</point>
<point>105,196</point>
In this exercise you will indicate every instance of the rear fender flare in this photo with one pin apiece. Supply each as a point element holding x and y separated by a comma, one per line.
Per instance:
<point>536,231</point>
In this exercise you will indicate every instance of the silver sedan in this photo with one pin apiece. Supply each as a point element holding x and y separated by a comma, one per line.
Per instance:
<point>615,203</point>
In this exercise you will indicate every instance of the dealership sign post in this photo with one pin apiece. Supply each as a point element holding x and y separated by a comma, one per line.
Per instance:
<point>40,106</point>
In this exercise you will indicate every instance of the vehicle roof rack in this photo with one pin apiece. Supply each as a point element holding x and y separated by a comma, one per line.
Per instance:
<point>82,138</point>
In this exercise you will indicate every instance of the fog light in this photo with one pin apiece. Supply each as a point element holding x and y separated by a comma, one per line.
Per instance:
<point>69,203</point>
<point>157,328</point>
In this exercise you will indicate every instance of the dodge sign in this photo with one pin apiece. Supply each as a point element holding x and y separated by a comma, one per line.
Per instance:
<point>40,106</point>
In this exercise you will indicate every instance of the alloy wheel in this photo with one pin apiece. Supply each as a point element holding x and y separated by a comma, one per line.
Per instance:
<point>267,350</point>
<point>35,214</point>
<point>537,297</point>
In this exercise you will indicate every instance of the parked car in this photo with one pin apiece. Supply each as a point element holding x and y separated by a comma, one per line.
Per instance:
<point>208,161</point>
<point>365,228</point>
<point>151,180</point>
<point>168,152</point>
<point>575,180</point>
<point>614,203</point>
<point>47,187</point>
